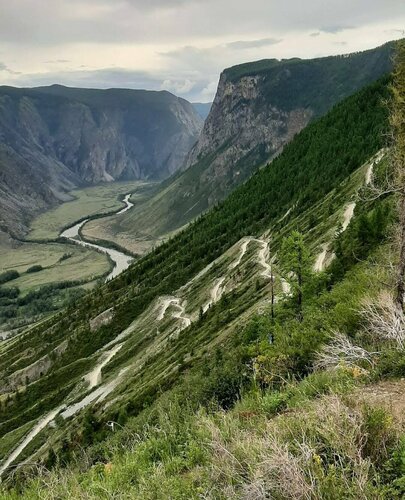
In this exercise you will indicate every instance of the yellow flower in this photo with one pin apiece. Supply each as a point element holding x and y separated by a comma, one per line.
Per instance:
<point>108,468</point>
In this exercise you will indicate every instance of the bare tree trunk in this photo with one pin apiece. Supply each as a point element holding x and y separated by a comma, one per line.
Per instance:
<point>400,284</point>
<point>272,292</point>
<point>397,121</point>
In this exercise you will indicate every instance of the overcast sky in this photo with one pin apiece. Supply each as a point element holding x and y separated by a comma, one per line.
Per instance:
<point>178,45</point>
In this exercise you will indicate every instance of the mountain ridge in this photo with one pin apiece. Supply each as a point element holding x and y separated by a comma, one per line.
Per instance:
<point>56,138</point>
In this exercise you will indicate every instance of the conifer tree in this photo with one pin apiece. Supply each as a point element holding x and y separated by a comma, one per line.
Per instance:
<point>296,266</point>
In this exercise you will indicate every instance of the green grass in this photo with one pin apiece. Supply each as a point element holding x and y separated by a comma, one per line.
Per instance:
<point>319,448</point>
<point>82,264</point>
<point>90,201</point>
<point>10,440</point>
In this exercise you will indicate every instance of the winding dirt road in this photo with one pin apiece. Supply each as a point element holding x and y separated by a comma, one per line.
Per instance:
<point>179,314</point>
<point>94,377</point>
<point>41,424</point>
<point>348,214</point>
<point>321,259</point>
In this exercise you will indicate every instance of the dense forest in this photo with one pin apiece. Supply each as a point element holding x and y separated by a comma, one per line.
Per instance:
<point>286,81</point>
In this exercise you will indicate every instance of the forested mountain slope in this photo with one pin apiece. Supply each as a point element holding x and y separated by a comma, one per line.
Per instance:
<point>258,108</point>
<point>167,324</point>
<point>55,138</point>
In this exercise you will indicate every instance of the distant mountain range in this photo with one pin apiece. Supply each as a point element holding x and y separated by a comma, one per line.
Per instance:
<point>202,108</point>
<point>53,139</point>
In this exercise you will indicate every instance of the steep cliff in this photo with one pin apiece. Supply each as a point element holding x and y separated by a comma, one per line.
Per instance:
<point>55,138</point>
<point>260,106</point>
<point>258,109</point>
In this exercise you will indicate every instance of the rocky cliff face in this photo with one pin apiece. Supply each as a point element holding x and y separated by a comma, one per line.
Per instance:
<point>242,120</point>
<point>53,139</point>
<point>260,106</point>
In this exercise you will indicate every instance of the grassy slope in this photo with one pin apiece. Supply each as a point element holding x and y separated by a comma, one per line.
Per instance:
<point>323,435</point>
<point>156,357</point>
<point>154,360</point>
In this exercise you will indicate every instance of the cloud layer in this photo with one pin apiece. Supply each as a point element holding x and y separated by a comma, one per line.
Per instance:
<point>178,45</point>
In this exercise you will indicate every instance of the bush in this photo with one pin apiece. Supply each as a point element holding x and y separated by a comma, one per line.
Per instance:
<point>8,276</point>
<point>35,269</point>
<point>9,293</point>
<point>391,363</point>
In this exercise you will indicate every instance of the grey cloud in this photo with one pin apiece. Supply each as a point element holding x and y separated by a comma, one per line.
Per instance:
<point>4,67</point>
<point>155,21</point>
<point>119,78</point>
<point>253,44</point>
<point>153,4</point>
<point>396,32</point>
<point>334,29</point>
<point>57,61</point>
<point>202,30</point>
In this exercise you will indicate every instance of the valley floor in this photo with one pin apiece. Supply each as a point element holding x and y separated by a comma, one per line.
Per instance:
<point>59,265</point>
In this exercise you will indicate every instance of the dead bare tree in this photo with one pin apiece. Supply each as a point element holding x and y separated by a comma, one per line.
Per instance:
<point>382,320</point>
<point>339,351</point>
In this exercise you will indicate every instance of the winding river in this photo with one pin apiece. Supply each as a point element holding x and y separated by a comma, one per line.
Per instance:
<point>120,259</point>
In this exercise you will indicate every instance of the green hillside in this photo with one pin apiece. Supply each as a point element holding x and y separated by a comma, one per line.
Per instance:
<point>179,313</point>
<point>317,80</point>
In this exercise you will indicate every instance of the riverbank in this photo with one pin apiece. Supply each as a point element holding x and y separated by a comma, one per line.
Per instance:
<point>120,259</point>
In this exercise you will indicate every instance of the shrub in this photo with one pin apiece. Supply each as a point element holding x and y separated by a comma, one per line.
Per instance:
<point>8,276</point>
<point>35,269</point>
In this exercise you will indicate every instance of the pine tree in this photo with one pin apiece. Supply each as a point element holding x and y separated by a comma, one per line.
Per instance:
<point>296,266</point>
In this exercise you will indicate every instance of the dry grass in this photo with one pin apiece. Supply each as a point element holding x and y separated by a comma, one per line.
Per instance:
<point>294,456</point>
<point>324,450</point>
<point>383,319</point>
